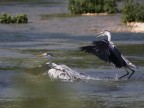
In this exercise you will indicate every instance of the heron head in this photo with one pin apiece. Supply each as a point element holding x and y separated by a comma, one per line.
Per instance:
<point>105,33</point>
<point>48,55</point>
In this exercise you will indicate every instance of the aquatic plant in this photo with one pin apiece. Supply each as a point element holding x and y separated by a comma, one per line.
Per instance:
<point>5,18</point>
<point>92,6</point>
<point>132,12</point>
<point>19,18</point>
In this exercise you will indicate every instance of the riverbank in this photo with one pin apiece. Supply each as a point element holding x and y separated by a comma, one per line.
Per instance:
<point>75,25</point>
<point>136,26</point>
<point>78,25</point>
<point>86,24</point>
<point>116,25</point>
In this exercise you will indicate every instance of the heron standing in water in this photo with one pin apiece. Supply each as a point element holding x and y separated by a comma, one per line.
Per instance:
<point>107,51</point>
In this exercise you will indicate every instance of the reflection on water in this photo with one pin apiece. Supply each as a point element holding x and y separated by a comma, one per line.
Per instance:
<point>23,85</point>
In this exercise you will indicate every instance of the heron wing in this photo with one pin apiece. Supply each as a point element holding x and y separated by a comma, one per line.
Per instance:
<point>98,48</point>
<point>116,57</point>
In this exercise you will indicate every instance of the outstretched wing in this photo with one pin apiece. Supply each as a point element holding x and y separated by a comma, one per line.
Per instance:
<point>98,48</point>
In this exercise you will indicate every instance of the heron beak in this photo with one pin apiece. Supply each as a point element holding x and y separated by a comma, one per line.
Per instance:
<point>41,55</point>
<point>99,34</point>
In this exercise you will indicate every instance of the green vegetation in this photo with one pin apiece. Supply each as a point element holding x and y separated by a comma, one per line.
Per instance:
<point>92,6</point>
<point>132,12</point>
<point>7,19</point>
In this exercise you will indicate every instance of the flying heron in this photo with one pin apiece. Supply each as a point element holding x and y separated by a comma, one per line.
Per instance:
<point>108,52</point>
<point>62,72</point>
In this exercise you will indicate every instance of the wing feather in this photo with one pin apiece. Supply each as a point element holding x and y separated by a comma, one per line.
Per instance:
<point>98,48</point>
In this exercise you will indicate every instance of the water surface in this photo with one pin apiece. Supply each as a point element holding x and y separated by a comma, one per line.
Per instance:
<point>23,85</point>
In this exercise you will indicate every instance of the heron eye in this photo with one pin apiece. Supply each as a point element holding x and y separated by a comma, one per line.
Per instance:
<point>63,70</point>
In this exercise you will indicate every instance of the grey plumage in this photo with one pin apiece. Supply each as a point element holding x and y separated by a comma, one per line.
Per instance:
<point>108,52</point>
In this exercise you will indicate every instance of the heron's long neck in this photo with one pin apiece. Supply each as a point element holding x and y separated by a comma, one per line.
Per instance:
<point>50,61</point>
<point>109,36</point>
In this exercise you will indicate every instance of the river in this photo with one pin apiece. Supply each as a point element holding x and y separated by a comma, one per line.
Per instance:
<point>22,83</point>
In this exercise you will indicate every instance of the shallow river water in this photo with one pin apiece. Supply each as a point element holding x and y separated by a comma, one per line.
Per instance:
<point>24,85</point>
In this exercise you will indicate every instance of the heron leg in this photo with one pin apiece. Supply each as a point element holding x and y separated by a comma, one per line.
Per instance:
<point>125,74</point>
<point>131,73</point>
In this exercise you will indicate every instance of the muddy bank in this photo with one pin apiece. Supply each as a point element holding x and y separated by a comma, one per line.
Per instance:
<point>76,25</point>
<point>85,24</point>
<point>81,25</point>
<point>136,26</point>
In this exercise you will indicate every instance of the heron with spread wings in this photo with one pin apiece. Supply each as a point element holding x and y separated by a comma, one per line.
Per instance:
<point>61,71</point>
<point>108,52</point>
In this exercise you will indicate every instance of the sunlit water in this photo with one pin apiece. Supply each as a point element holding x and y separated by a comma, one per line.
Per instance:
<point>24,85</point>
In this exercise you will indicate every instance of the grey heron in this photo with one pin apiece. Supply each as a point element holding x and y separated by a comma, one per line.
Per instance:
<point>62,72</point>
<point>108,52</point>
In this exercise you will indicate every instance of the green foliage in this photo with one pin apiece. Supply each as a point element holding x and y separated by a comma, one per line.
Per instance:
<point>110,6</point>
<point>5,18</point>
<point>132,12</point>
<point>92,6</point>
<point>19,18</point>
